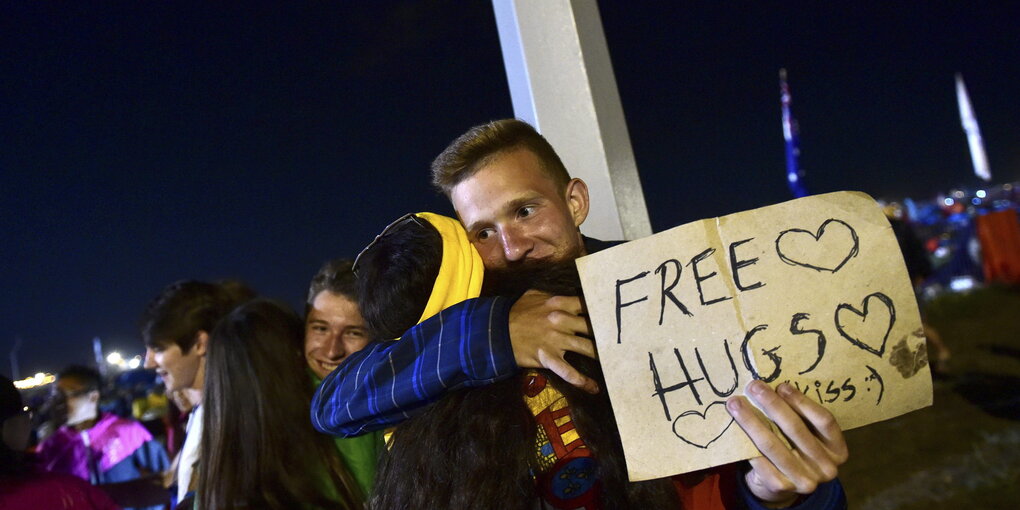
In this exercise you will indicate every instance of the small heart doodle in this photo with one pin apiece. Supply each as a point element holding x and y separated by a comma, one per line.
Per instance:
<point>699,429</point>
<point>828,249</point>
<point>864,329</point>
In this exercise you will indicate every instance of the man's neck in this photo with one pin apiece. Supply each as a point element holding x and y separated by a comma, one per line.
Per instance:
<point>194,395</point>
<point>86,424</point>
<point>592,245</point>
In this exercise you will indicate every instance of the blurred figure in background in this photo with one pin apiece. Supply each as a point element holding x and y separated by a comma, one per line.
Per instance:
<point>915,257</point>
<point>102,448</point>
<point>20,487</point>
<point>175,329</point>
<point>334,329</point>
<point>258,446</point>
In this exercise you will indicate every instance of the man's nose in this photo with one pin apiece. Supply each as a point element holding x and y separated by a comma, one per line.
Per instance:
<point>150,360</point>
<point>336,348</point>
<point>516,245</point>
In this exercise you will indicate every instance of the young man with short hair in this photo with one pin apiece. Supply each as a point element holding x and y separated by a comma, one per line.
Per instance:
<point>175,329</point>
<point>334,329</point>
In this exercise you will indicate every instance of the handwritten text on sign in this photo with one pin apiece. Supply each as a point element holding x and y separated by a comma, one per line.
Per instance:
<point>812,292</point>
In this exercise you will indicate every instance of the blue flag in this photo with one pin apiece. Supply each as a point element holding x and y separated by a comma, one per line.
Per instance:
<point>794,175</point>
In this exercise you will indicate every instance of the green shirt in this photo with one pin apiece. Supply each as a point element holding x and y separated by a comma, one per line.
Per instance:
<point>360,454</point>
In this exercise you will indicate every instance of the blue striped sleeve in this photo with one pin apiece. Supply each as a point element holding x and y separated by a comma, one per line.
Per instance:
<point>385,383</point>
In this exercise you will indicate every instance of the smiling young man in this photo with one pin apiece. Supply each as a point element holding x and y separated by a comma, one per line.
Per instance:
<point>520,206</point>
<point>175,329</point>
<point>334,329</point>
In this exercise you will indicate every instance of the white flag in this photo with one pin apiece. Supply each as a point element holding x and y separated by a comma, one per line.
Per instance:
<point>970,126</point>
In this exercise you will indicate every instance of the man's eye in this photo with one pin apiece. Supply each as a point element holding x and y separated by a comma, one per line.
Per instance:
<point>526,211</point>
<point>484,234</point>
<point>355,332</point>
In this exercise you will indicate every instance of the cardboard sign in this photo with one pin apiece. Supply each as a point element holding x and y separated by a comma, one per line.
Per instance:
<point>813,292</point>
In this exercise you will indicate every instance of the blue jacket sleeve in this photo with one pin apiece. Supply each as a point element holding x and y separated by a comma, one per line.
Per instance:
<point>385,383</point>
<point>828,496</point>
<point>152,456</point>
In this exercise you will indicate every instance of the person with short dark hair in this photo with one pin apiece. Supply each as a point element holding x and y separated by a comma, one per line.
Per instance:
<point>175,328</point>
<point>334,329</point>
<point>258,448</point>
<point>102,448</point>
<point>20,487</point>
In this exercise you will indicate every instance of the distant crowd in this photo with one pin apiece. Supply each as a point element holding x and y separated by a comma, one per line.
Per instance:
<point>450,365</point>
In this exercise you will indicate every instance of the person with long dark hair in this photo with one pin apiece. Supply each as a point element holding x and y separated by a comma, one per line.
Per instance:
<point>258,448</point>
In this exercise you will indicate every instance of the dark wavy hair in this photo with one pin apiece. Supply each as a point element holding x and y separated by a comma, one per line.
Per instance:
<point>184,308</point>
<point>475,448</point>
<point>258,446</point>
<point>335,276</point>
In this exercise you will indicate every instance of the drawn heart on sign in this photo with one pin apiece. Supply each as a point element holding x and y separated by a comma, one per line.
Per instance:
<point>869,329</point>
<point>699,429</point>
<point>828,249</point>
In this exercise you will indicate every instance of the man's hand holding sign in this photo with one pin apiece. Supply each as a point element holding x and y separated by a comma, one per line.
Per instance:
<point>809,297</point>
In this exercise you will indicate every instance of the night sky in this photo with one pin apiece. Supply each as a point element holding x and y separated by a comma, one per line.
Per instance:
<point>146,142</point>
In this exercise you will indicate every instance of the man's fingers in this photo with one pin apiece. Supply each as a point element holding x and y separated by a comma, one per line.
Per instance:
<point>768,483</point>
<point>819,454</point>
<point>568,373</point>
<point>569,304</point>
<point>816,448</point>
<point>821,420</point>
<point>758,430</point>
<point>568,323</point>
<point>582,346</point>
<point>792,425</point>
<point>543,327</point>
<point>769,444</point>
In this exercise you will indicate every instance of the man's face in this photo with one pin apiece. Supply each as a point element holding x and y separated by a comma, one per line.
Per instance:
<point>514,214</point>
<point>179,370</point>
<point>334,330</point>
<point>78,404</point>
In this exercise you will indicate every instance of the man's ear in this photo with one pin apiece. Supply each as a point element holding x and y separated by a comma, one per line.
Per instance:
<point>93,396</point>
<point>576,195</point>
<point>201,343</point>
